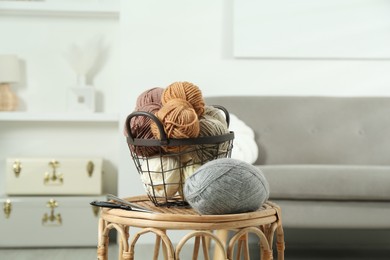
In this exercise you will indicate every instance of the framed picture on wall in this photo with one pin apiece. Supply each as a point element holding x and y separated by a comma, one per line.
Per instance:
<point>330,29</point>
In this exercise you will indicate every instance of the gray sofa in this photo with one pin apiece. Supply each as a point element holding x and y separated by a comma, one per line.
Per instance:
<point>327,159</point>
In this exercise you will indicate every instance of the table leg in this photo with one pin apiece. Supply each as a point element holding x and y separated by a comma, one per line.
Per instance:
<point>168,250</point>
<point>102,251</point>
<point>280,242</point>
<point>201,234</point>
<point>205,245</point>
<point>244,246</point>
<point>120,247</point>
<point>222,236</point>
<point>165,249</point>
<point>266,250</point>
<point>123,243</point>
<point>157,247</point>
<point>196,248</point>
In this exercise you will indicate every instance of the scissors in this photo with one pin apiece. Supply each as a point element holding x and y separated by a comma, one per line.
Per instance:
<point>120,204</point>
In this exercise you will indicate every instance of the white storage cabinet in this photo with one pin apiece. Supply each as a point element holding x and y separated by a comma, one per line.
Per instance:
<point>49,221</point>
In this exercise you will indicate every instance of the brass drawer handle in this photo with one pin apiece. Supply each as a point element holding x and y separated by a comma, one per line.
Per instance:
<point>53,178</point>
<point>52,218</point>
<point>90,168</point>
<point>7,207</point>
<point>17,166</point>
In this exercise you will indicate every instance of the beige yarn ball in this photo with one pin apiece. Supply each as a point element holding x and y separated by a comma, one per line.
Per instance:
<point>216,113</point>
<point>209,126</point>
<point>159,171</point>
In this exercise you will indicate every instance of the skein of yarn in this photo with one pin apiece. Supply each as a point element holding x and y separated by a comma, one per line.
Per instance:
<point>149,96</point>
<point>161,176</point>
<point>187,91</point>
<point>140,128</point>
<point>179,120</point>
<point>226,186</point>
<point>187,171</point>
<point>215,113</point>
<point>147,101</point>
<point>210,126</point>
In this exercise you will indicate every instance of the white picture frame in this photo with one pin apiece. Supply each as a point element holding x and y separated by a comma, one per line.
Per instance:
<point>328,29</point>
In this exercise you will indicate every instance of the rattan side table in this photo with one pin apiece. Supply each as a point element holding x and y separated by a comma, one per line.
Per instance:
<point>264,223</point>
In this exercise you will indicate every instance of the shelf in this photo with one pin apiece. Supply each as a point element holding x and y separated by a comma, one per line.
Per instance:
<point>58,117</point>
<point>82,8</point>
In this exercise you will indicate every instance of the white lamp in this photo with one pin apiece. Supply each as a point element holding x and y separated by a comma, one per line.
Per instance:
<point>9,73</point>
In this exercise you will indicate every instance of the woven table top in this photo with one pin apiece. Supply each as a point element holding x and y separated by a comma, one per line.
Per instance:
<point>187,218</point>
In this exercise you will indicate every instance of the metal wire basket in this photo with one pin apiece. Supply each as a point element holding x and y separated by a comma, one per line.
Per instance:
<point>164,173</point>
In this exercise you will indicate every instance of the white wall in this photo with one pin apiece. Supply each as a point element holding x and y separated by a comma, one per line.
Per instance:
<point>312,29</point>
<point>177,40</point>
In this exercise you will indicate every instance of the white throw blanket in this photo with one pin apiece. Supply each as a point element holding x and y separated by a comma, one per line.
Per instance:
<point>244,145</point>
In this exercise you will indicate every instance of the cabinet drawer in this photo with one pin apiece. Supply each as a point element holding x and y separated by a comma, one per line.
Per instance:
<point>48,221</point>
<point>58,176</point>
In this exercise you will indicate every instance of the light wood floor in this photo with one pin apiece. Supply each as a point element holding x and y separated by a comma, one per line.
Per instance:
<point>145,252</point>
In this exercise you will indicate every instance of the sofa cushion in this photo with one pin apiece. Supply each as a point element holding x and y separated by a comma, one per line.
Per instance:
<point>328,182</point>
<point>315,130</point>
<point>335,214</point>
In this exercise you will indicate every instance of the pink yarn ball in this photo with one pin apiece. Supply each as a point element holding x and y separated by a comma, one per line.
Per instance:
<point>149,96</point>
<point>148,101</point>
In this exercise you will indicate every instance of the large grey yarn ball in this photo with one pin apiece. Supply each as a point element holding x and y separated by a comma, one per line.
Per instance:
<point>226,186</point>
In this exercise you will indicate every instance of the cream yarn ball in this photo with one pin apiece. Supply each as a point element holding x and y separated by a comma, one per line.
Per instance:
<point>156,172</point>
<point>187,171</point>
<point>226,186</point>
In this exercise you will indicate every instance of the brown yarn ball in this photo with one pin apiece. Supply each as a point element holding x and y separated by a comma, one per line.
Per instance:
<point>179,120</point>
<point>187,91</point>
<point>140,128</point>
<point>147,101</point>
<point>152,95</point>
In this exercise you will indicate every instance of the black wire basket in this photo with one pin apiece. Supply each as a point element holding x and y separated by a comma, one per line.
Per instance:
<point>164,173</point>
